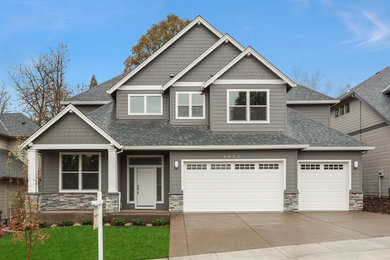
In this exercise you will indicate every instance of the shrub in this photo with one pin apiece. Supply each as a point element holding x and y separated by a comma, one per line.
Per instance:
<point>158,222</point>
<point>66,222</point>
<point>118,221</point>
<point>86,221</point>
<point>43,224</point>
<point>104,217</point>
<point>139,222</point>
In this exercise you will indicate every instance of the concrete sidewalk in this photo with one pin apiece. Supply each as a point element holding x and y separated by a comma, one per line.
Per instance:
<point>357,249</point>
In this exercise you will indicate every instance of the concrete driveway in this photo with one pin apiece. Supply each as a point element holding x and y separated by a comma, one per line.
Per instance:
<point>202,233</point>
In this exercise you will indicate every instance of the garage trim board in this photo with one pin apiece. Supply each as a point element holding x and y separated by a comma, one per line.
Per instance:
<point>329,189</point>
<point>233,177</point>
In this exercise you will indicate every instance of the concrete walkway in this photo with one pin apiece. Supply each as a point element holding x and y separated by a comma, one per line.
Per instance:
<point>358,249</point>
<point>216,233</point>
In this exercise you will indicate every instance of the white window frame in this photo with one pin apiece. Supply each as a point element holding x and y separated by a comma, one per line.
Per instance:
<point>135,177</point>
<point>80,190</point>
<point>190,105</point>
<point>145,104</point>
<point>247,121</point>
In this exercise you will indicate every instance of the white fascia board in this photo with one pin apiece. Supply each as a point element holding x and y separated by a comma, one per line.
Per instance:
<point>71,146</point>
<point>140,87</point>
<point>248,51</point>
<point>84,102</point>
<point>309,102</point>
<point>339,148</point>
<point>71,108</point>
<point>187,84</point>
<point>197,20</point>
<point>224,39</point>
<point>215,147</point>
<point>249,81</point>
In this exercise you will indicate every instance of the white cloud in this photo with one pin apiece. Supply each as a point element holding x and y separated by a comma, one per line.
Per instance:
<point>368,29</point>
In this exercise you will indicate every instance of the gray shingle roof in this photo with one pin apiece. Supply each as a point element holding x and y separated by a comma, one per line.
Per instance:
<point>301,93</point>
<point>316,134</point>
<point>16,124</point>
<point>98,93</point>
<point>16,166</point>
<point>370,91</point>
<point>161,133</point>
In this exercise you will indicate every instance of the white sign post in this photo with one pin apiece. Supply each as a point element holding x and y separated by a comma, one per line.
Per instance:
<point>98,222</point>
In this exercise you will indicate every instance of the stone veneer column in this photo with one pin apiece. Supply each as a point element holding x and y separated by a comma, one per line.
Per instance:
<point>291,201</point>
<point>356,201</point>
<point>176,202</point>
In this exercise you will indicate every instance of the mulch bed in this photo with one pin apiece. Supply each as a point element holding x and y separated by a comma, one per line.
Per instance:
<point>377,205</point>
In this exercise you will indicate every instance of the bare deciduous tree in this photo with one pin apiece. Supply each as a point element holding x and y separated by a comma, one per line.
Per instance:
<point>41,84</point>
<point>4,100</point>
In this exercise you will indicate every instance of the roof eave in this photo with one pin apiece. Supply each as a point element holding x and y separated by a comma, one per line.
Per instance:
<point>339,148</point>
<point>215,147</point>
<point>309,102</point>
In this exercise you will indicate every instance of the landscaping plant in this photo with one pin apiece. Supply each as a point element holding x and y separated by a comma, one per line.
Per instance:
<point>43,224</point>
<point>24,223</point>
<point>158,222</point>
<point>66,223</point>
<point>118,221</point>
<point>86,221</point>
<point>139,222</point>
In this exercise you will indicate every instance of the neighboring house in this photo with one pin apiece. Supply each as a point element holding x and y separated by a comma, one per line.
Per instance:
<point>201,125</point>
<point>12,126</point>
<point>364,113</point>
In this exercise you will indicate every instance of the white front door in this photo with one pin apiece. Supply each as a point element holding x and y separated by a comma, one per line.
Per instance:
<point>146,188</point>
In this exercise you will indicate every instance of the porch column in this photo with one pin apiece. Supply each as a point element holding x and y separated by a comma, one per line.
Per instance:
<point>32,157</point>
<point>112,171</point>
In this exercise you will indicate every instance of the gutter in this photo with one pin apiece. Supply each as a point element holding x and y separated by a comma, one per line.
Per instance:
<point>339,148</point>
<point>215,147</point>
<point>84,102</point>
<point>309,102</point>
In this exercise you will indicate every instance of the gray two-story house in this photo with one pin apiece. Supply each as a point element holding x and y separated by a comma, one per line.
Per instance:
<point>364,113</point>
<point>202,125</point>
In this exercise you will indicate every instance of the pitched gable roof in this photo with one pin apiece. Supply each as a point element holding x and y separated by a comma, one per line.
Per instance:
<point>249,51</point>
<point>304,95</point>
<point>72,109</point>
<point>226,38</point>
<point>371,93</point>
<point>16,124</point>
<point>197,21</point>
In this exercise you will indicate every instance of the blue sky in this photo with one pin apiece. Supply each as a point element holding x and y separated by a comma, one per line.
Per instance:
<point>347,41</point>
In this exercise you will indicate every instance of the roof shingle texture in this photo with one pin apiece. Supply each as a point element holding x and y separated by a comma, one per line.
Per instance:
<point>161,133</point>
<point>311,132</point>
<point>370,91</point>
<point>16,124</point>
<point>301,93</point>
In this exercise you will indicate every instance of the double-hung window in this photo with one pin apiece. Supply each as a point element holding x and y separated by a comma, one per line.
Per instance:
<point>190,105</point>
<point>145,104</point>
<point>79,171</point>
<point>248,106</point>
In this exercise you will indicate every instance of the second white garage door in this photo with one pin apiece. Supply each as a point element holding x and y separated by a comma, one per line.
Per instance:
<point>323,185</point>
<point>233,186</point>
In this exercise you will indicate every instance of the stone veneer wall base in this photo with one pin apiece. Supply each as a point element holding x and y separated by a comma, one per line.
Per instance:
<point>176,203</point>
<point>291,201</point>
<point>356,201</point>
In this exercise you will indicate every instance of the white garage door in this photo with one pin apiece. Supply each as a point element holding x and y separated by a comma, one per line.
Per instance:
<point>233,186</point>
<point>323,185</point>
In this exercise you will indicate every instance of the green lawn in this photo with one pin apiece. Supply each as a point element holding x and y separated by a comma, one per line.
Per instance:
<point>81,243</point>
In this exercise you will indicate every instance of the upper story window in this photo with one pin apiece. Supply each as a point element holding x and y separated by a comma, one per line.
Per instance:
<point>145,104</point>
<point>190,105</point>
<point>79,172</point>
<point>341,110</point>
<point>251,106</point>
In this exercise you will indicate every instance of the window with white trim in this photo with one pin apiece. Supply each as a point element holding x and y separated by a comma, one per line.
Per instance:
<point>80,172</point>
<point>248,105</point>
<point>190,105</point>
<point>145,104</point>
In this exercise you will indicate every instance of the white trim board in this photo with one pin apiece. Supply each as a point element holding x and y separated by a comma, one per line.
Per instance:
<point>249,81</point>
<point>71,146</point>
<point>71,109</point>
<point>197,21</point>
<point>76,102</point>
<point>225,39</point>
<point>249,51</point>
<point>310,102</point>
<point>140,87</point>
<point>339,148</point>
<point>214,147</point>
